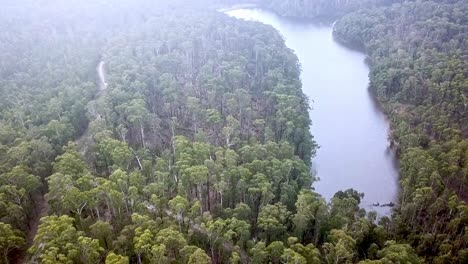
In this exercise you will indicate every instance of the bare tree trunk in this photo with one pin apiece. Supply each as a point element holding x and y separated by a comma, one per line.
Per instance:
<point>142,133</point>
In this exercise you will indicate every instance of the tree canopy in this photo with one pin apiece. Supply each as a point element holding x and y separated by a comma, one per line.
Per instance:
<point>195,146</point>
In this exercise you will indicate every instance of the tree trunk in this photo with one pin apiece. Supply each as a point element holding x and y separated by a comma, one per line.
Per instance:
<point>142,133</point>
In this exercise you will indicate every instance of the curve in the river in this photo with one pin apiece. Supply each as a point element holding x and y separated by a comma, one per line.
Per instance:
<point>347,124</point>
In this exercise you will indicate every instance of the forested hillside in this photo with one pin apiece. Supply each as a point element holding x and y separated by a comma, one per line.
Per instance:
<point>320,8</point>
<point>313,9</point>
<point>46,79</point>
<point>198,150</point>
<point>418,52</point>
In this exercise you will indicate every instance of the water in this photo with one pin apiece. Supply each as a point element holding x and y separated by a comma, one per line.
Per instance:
<point>347,124</point>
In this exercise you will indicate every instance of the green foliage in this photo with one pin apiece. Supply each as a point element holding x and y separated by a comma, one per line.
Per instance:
<point>418,72</point>
<point>103,231</point>
<point>310,215</point>
<point>398,253</point>
<point>17,188</point>
<point>113,258</point>
<point>275,251</point>
<point>319,8</point>
<point>273,221</point>
<point>199,257</point>
<point>58,241</point>
<point>198,150</point>
<point>10,239</point>
<point>45,86</point>
<point>70,162</point>
<point>340,249</point>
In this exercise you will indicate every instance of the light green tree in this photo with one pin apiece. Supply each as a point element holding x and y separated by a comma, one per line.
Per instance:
<point>273,220</point>
<point>58,241</point>
<point>291,257</point>
<point>10,239</point>
<point>340,249</point>
<point>113,258</point>
<point>199,257</point>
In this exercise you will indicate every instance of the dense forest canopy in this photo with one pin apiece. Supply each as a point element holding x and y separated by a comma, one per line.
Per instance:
<point>197,148</point>
<point>418,52</point>
<point>314,9</point>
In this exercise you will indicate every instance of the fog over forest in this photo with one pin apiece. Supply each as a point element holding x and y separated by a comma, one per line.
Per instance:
<point>230,131</point>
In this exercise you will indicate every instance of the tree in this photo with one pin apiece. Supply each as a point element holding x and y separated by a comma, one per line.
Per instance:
<point>310,253</point>
<point>235,258</point>
<point>120,180</point>
<point>10,239</point>
<point>58,184</point>
<point>143,242</point>
<point>398,253</point>
<point>114,152</point>
<point>340,249</point>
<point>237,231</point>
<point>90,251</point>
<point>310,215</point>
<point>113,258</point>
<point>137,114</point>
<point>344,209</point>
<point>76,200</point>
<point>159,254</point>
<point>186,252</point>
<point>70,162</point>
<point>103,231</point>
<point>259,253</point>
<point>173,241</point>
<point>275,251</point>
<point>216,230</point>
<point>199,257</point>
<point>242,212</point>
<point>260,191</point>
<point>179,205</point>
<point>291,257</point>
<point>273,221</point>
<point>18,185</point>
<point>58,241</point>
<point>231,131</point>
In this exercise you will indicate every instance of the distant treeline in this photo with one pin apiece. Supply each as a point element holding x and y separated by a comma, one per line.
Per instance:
<point>316,9</point>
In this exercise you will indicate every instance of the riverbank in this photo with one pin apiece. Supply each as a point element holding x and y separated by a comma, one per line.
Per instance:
<point>361,158</point>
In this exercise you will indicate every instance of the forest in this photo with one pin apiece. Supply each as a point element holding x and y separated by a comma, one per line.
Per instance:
<point>319,10</point>
<point>418,57</point>
<point>192,144</point>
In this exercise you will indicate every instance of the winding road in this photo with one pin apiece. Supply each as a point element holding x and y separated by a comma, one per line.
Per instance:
<point>82,142</point>
<point>41,205</point>
<point>102,78</point>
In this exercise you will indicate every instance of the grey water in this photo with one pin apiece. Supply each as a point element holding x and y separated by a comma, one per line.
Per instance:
<point>347,123</point>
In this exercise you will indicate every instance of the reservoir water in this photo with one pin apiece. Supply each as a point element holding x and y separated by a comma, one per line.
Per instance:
<point>347,123</point>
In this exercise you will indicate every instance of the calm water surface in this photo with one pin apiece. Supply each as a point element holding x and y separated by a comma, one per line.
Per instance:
<point>347,124</point>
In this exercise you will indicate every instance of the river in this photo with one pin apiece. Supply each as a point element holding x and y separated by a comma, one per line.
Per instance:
<point>347,123</point>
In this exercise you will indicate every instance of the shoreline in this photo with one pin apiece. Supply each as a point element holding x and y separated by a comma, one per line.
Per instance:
<point>379,107</point>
